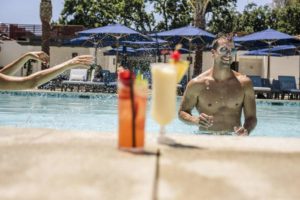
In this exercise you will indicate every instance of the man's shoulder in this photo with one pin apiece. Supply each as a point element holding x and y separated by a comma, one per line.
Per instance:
<point>203,77</point>
<point>245,81</point>
<point>242,77</point>
<point>199,82</point>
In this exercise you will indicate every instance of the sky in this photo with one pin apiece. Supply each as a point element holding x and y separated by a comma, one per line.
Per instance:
<point>27,11</point>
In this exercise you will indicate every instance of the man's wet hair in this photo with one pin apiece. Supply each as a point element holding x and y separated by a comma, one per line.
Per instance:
<point>227,36</point>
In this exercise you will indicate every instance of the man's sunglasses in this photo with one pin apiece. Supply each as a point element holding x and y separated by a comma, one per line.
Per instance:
<point>225,50</point>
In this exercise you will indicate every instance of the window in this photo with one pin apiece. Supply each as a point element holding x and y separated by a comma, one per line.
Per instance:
<point>74,54</point>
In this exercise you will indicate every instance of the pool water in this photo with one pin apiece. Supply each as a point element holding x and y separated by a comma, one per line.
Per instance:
<point>71,111</point>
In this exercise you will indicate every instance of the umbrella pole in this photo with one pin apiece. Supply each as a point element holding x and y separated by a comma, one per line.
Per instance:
<point>299,71</point>
<point>117,55</point>
<point>190,47</point>
<point>157,49</point>
<point>269,60</point>
<point>95,62</point>
<point>268,72</point>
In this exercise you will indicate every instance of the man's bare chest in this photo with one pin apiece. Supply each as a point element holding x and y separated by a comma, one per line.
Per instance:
<point>218,96</point>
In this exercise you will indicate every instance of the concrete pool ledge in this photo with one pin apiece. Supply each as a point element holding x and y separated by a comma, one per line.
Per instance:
<point>52,164</point>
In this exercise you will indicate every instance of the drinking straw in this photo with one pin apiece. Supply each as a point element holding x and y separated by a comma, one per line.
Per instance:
<point>132,108</point>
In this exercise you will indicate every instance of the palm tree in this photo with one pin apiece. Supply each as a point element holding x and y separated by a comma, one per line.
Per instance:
<point>200,9</point>
<point>45,16</point>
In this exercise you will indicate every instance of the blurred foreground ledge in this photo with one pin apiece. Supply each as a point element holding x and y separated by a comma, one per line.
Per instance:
<point>52,164</point>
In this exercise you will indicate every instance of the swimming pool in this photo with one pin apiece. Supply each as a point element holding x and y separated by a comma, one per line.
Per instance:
<point>98,112</point>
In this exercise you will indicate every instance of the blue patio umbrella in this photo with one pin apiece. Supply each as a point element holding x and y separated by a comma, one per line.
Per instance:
<point>261,53</point>
<point>81,41</point>
<point>113,34</point>
<point>282,50</point>
<point>267,38</point>
<point>129,51</point>
<point>286,50</point>
<point>166,49</point>
<point>145,43</point>
<point>188,34</point>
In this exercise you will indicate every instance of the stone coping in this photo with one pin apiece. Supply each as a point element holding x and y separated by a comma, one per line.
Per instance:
<point>52,164</point>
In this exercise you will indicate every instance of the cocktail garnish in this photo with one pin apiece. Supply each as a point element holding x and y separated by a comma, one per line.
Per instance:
<point>125,76</point>
<point>180,65</point>
<point>176,55</point>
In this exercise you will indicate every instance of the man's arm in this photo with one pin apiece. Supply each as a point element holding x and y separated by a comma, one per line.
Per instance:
<point>189,101</point>
<point>249,106</point>
<point>38,78</point>
<point>13,67</point>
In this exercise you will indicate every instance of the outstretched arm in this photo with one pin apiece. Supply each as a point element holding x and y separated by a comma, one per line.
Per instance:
<point>38,78</point>
<point>13,67</point>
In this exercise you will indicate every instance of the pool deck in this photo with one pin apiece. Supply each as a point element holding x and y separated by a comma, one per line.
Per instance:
<point>50,164</point>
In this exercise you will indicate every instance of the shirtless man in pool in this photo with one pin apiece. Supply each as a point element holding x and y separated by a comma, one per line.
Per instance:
<point>9,82</point>
<point>220,94</point>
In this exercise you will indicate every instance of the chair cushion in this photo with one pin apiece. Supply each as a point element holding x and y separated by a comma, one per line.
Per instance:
<point>262,89</point>
<point>295,91</point>
<point>76,77</point>
<point>78,74</point>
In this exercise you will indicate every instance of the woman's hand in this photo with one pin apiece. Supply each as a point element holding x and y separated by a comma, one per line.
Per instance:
<point>80,61</point>
<point>38,55</point>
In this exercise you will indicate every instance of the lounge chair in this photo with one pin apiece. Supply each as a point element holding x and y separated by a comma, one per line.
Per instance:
<point>77,79</point>
<point>111,82</point>
<point>98,83</point>
<point>288,86</point>
<point>182,85</point>
<point>260,90</point>
<point>276,91</point>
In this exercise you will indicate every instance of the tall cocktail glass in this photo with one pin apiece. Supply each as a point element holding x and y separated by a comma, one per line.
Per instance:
<point>163,109</point>
<point>129,139</point>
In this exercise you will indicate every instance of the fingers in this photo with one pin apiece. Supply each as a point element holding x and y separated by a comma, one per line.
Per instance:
<point>205,120</point>
<point>241,131</point>
<point>40,55</point>
<point>85,60</point>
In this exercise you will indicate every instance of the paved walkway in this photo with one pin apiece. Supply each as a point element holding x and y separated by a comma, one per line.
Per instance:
<point>49,164</point>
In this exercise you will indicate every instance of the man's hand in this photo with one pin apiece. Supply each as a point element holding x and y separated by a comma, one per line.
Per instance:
<point>240,131</point>
<point>38,55</point>
<point>205,121</point>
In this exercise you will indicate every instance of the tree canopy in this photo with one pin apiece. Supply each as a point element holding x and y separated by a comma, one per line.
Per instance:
<point>96,13</point>
<point>158,15</point>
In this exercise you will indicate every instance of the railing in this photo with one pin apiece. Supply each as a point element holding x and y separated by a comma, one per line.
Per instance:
<point>18,31</point>
<point>28,32</point>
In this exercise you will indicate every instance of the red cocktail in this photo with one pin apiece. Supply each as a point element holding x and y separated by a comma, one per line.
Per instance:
<point>131,136</point>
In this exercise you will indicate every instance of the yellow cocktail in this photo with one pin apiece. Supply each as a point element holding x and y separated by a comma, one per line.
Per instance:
<point>164,78</point>
<point>164,87</point>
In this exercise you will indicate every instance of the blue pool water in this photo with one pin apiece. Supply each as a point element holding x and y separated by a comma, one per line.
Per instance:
<point>74,111</point>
